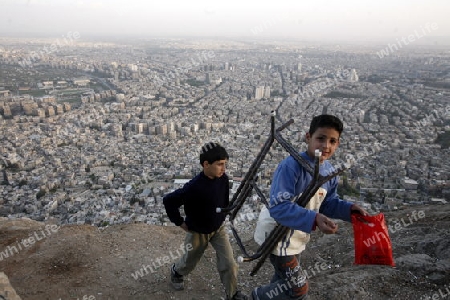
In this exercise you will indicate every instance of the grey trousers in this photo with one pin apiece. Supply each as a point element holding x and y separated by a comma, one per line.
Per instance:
<point>196,244</point>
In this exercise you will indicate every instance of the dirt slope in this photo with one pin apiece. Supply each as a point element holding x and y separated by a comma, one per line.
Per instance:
<point>85,262</point>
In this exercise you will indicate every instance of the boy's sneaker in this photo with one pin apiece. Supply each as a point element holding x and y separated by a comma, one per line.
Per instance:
<point>176,279</point>
<point>239,296</point>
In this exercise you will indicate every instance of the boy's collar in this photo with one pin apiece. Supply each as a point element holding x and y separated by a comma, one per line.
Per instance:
<point>207,177</point>
<point>305,155</point>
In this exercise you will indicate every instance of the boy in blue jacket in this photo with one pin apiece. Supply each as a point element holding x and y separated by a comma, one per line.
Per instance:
<point>291,179</point>
<point>200,197</point>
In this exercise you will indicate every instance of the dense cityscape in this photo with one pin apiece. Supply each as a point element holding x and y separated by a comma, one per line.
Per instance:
<point>97,132</point>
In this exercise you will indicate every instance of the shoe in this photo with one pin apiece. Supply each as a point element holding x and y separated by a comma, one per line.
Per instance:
<point>255,294</point>
<point>176,279</point>
<point>239,296</point>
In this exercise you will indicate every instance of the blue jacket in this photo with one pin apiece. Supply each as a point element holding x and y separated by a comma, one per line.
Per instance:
<point>289,180</point>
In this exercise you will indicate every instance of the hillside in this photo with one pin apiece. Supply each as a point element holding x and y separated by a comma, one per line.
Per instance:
<point>86,262</point>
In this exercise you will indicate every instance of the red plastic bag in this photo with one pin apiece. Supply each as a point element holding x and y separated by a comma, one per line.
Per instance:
<point>372,243</point>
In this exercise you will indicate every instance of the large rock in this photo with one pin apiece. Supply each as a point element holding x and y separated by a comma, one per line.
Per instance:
<point>6,290</point>
<point>436,270</point>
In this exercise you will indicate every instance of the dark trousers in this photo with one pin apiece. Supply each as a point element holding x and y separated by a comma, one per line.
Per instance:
<point>288,282</point>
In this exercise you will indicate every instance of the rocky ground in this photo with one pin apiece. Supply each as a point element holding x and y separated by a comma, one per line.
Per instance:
<point>87,262</point>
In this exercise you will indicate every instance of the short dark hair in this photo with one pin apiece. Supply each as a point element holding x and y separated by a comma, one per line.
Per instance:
<point>212,152</point>
<point>328,121</point>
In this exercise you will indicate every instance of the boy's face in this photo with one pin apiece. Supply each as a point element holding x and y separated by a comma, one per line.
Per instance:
<point>216,169</point>
<point>324,139</point>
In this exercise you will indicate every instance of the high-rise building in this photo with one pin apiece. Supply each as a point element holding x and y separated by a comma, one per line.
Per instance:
<point>267,92</point>
<point>360,114</point>
<point>353,77</point>
<point>133,67</point>
<point>259,92</point>
<point>161,129</point>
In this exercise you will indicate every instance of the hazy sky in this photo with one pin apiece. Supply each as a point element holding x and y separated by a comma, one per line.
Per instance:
<point>319,19</point>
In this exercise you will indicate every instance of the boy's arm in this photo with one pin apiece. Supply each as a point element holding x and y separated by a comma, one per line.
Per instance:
<point>285,212</point>
<point>172,203</point>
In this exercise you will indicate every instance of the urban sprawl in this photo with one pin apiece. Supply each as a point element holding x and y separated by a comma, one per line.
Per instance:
<point>97,133</point>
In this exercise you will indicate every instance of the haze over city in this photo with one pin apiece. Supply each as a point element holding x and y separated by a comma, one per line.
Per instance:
<point>315,20</point>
